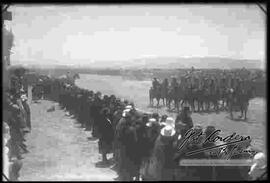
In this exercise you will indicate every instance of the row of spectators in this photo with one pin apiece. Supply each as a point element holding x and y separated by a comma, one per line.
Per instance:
<point>145,146</point>
<point>16,124</point>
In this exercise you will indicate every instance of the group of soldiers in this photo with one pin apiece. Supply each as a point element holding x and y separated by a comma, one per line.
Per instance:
<point>206,89</point>
<point>16,124</point>
<point>145,146</point>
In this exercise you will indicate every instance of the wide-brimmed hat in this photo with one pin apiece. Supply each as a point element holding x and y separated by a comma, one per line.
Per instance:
<point>167,131</point>
<point>259,164</point>
<point>126,113</point>
<point>128,107</point>
<point>23,97</point>
<point>169,122</point>
<point>151,122</point>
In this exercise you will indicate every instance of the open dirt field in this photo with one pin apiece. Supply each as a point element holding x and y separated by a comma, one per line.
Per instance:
<point>60,149</point>
<point>137,91</point>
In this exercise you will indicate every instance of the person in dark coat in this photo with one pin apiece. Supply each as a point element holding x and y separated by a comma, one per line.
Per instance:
<point>126,140</point>
<point>106,135</point>
<point>95,110</point>
<point>161,164</point>
<point>27,110</point>
<point>185,118</point>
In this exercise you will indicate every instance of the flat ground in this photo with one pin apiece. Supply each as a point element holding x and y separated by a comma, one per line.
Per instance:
<point>60,149</point>
<point>137,91</point>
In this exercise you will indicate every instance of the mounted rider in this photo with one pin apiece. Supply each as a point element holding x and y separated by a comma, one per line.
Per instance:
<point>174,83</point>
<point>155,83</point>
<point>165,83</point>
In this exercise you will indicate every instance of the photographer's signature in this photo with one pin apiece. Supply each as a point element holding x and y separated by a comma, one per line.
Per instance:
<point>231,145</point>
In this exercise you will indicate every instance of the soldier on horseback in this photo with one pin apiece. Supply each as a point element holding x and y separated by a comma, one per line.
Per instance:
<point>155,91</point>
<point>164,88</point>
<point>174,83</point>
<point>155,83</point>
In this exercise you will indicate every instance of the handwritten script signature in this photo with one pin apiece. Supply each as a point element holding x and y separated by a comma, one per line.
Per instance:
<point>231,145</point>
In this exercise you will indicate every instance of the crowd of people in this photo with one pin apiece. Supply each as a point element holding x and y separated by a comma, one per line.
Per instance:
<point>145,146</point>
<point>16,124</point>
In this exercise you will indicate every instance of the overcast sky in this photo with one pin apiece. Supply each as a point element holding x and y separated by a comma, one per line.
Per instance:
<point>82,33</point>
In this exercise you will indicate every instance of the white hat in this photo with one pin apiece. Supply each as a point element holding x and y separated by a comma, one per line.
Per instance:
<point>124,114</point>
<point>167,131</point>
<point>150,122</point>
<point>23,97</point>
<point>170,122</point>
<point>259,159</point>
<point>259,164</point>
<point>128,107</point>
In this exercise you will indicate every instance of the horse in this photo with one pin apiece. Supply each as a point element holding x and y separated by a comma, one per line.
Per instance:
<point>188,97</point>
<point>240,101</point>
<point>164,93</point>
<point>172,96</point>
<point>155,94</point>
<point>198,96</point>
<point>223,97</point>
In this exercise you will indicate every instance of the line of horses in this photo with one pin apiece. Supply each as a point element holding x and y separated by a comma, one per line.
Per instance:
<point>202,99</point>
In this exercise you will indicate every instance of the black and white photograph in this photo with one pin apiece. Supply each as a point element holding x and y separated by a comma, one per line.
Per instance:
<point>134,92</point>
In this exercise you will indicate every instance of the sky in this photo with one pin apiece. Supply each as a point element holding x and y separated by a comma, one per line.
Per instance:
<point>81,34</point>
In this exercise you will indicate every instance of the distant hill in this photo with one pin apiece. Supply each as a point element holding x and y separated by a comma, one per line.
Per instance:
<point>197,62</point>
<point>163,62</point>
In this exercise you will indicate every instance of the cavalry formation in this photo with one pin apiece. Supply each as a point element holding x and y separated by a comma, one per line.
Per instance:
<point>204,91</point>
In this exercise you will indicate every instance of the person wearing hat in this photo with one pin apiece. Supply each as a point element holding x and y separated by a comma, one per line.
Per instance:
<point>125,136</point>
<point>28,112</point>
<point>153,130</point>
<point>129,107</point>
<point>156,116</point>
<point>155,83</point>
<point>258,170</point>
<point>162,165</point>
<point>169,122</point>
<point>106,134</point>
<point>185,118</point>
